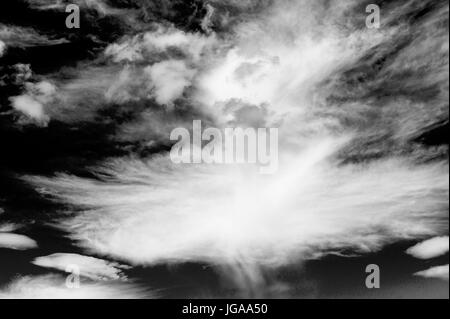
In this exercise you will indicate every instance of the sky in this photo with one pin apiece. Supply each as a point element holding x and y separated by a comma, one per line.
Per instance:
<point>86,177</point>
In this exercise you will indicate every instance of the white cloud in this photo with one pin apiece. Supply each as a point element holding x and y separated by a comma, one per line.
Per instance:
<point>43,90</point>
<point>440,272</point>
<point>15,36</point>
<point>47,4</point>
<point>225,215</point>
<point>90,267</point>
<point>283,59</point>
<point>30,107</point>
<point>430,248</point>
<point>169,73</point>
<point>53,287</point>
<point>22,74</point>
<point>16,241</point>
<point>2,48</point>
<point>169,79</point>
<point>32,103</point>
<point>279,59</point>
<point>144,46</point>
<point>125,51</point>
<point>9,227</point>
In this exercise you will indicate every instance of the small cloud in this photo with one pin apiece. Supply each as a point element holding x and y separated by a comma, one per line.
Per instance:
<point>169,79</point>
<point>31,104</point>
<point>440,272</point>
<point>22,74</point>
<point>16,241</point>
<point>2,48</point>
<point>90,267</point>
<point>9,227</point>
<point>430,248</point>
<point>30,107</point>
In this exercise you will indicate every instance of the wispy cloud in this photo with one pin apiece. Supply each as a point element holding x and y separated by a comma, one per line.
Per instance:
<point>22,37</point>
<point>132,214</point>
<point>89,267</point>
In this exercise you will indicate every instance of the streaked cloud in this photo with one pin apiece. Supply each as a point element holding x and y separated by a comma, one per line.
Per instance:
<point>22,37</point>
<point>264,220</point>
<point>89,267</point>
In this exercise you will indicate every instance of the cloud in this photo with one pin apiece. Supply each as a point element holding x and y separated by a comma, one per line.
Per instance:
<point>2,48</point>
<point>9,227</point>
<point>16,241</point>
<point>224,215</point>
<point>89,267</point>
<point>22,37</point>
<point>349,108</point>
<point>207,22</point>
<point>169,79</point>
<point>22,73</point>
<point>154,65</point>
<point>53,287</point>
<point>350,178</point>
<point>98,5</point>
<point>145,46</point>
<point>47,4</point>
<point>430,248</point>
<point>172,58</point>
<point>30,107</point>
<point>439,272</point>
<point>32,103</point>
